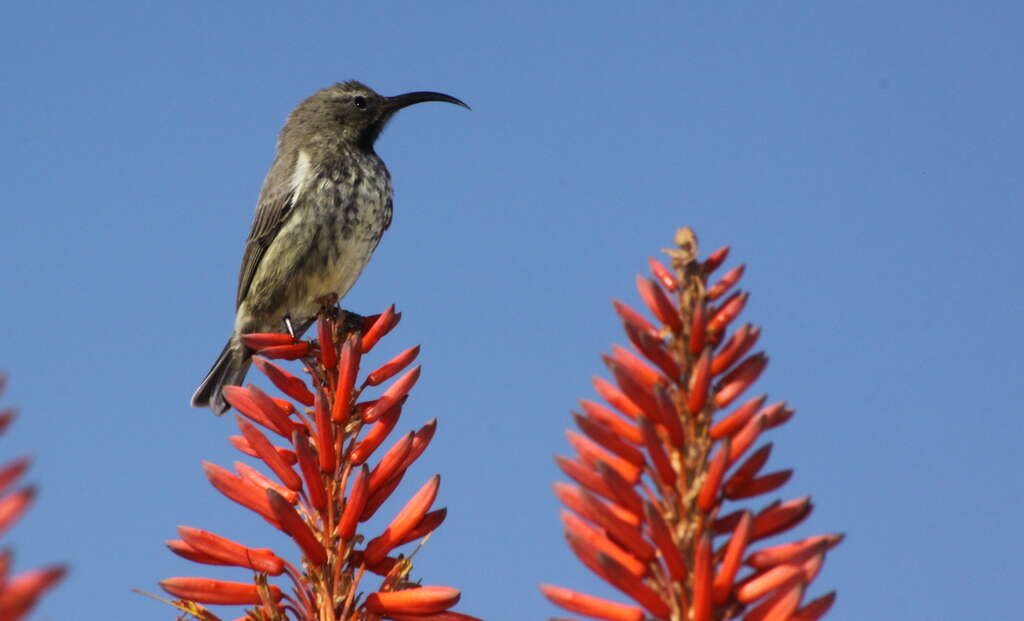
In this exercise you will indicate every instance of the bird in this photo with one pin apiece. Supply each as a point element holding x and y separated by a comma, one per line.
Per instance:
<point>323,207</point>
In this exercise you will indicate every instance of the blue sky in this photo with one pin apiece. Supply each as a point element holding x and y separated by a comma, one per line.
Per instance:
<point>863,158</point>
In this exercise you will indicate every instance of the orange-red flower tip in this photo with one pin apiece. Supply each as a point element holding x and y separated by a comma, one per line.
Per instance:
<point>591,606</point>
<point>417,600</point>
<point>209,591</point>
<point>662,274</point>
<point>287,383</point>
<point>394,393</point>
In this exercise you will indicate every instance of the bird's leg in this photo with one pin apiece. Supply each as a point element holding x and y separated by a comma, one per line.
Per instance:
<point>288,326</point>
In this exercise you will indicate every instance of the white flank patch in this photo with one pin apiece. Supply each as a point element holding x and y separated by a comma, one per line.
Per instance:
<point>302,174</point>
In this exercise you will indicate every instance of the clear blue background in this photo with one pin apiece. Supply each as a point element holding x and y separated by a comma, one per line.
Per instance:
<point>864,159</point>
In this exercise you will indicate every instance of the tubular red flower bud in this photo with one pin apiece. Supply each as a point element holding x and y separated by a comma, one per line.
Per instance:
<point>266,452</point>
<point>377,498</point>
<point>325,336</point>
<point>22,591</point>
<point>748,470</point>
<point>417,600</point>
<point>285,381</point>
<point>662,274</point>
<point>726,282</point>
<point>763,583</point>
<point>635,319</point>
<point>376,435</point>
<point>816,609</point>
<point>700,380</point>
<point>295,526</point>
<point>737,419</point>
<point>255,405</point>
<point>208,591</point>
<point>14,505</point>
<point>420,441</point>
<point>785,552</point>
<point>324,434</point>
<point>13,471</point>
<point>354,504</point>
<point>697,330</point>
<point>730,310</point>
<point>240,443</point>
<point>715,259</point>
<point>761,485</point>
<point>779,606</point>
<point>660,461</point>
<point>393,395</point>
<point>631,386</point>
<point>187,552</point>
<point>427,525</point>
<point>393,366</point>
<point>591,606</point>
<point>775,417</point>
<point>286,352</point>
<point>633,586</point>
<point>604,436</point>
<point>746,437</point>
<point>741,342</point>
<point>596,539</point>
<point>601,414</point>
<point>636,367</point>
<point>591,453</point>
<point>383,324</point>
<point>241,491</point>
<point>624,533</point>
<point>254,476</point>
<point>407,519</point>
<point>662,537</point>
<point>261,340</point>
<point>776,517</point>
<point>625,495</point>
<point>732,559</point>
<point>708,496</point>
<point>231,553</point>
<point>658,303</point>
<point>348,368</point>
<point>653,348</point>
<point>739,379</point>
<point>669,416</point>
<point>391,462</point>
<point>572,497</point>
<point>615,397</point>
<point>308,464</point>
<point>703,570</point>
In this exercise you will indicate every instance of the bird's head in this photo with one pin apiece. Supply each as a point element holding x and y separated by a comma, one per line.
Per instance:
<point>355,112</point>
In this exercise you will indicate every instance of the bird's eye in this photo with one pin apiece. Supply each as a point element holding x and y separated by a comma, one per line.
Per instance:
<point>359,102</point>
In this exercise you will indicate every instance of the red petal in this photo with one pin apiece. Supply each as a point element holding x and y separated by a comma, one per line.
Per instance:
<point>308,464</point>
<point>653,348</point>
<point>726,282</point>
<point>393,395</point>
<point>761,485</point>
<point>591,453</point>
<point>816,609</point>
<point>22,591</point>
<point>739,379</point>
<point>658,303</point>
<point>748,470</point>
<point>572,497</point>
<point>242,445</point>
<point>375,436</point>
<point>230,552</point>
<point>780,606</point>
<point>13,471</point>
<point>286,352</point>
<point>662,274</point>
<point>265,450</point>
<point>14,505</point>
<point>420,441</point>
<point>741,342</point>
<point>254,476</point>
<point>427,525</point>
<point>255,405</point>
<point>708,495</point>
<point>625,533</point>
<point>633,587</point>
<point>354,504</point>
<point>700,380</point>
<point>377,498</point>
<point>631,385</point>
<point>391,462</point>
<point>348,368</point>
<point>241,491</point>
<point>738,419</point>
<point>635,319</point>
<point>637,368</point>
<point>625,495</point>
<point>287,383</point>
<point>325,334</point>
<point>703,569</point>
<point>615,398</point>
<point>393,366</point>
<point>261,340</point>
<point>603,415</point>
<point>383,324</point>
<point>732,559</point>
<point>777,518</point>
<point>715,259</point>
<point>588,535</point>
<point>324,434</point>
<point>407,519</point>
<point>662,537</point>
<point>697,330</point>
<point>295,526</point>
<point>661,462</point>
<point>729,311</point>
<point>785,552</point>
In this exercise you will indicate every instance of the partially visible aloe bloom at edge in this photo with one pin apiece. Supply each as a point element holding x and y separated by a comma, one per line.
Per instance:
<point>320,487</point>
<point>20,593</point>
<point>662,470</point>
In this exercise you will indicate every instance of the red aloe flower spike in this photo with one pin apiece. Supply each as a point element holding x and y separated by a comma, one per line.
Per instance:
<point>393,395</point>
<point>596,539</point>
<point>355,504</point>
<point>417,600</point>
<point>309,465</point>
<point>662,274</point>
<point>266,452</point>
<point>658,303</point>
<point>715,259</point>
<point>591,606</point>
<point>324,434</point>
<point>392,367</point>
<point>726,282</point>
<point>210,591</point>
<point>285,381</point>
<point>325,335</point>
<point>348,365</point>
<point>635,319</point>
<point>381,326</point>
<point>294,525</point>
<point>732,559</point>
<point>230,552</point>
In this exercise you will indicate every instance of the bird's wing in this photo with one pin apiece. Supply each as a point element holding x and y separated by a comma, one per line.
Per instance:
<point>273,209</point>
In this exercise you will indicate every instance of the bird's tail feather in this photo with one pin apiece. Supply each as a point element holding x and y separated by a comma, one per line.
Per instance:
<point>229,370</point>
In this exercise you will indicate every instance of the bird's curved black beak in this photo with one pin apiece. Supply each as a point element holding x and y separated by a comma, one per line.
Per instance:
<point>396,103</point>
